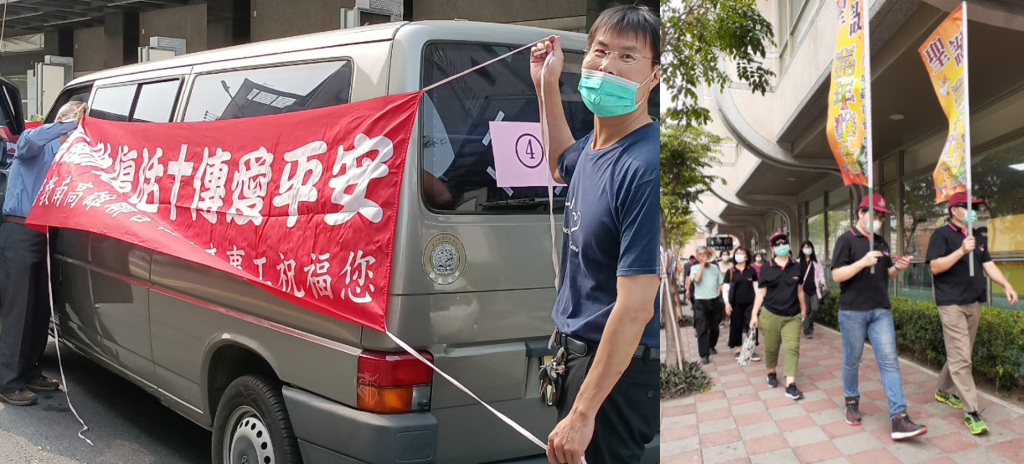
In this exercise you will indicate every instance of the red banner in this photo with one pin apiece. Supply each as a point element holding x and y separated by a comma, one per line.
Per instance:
<point>303,204</point>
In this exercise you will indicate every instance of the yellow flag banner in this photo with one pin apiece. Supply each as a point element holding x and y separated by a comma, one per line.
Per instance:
<point>945,58</point>
<point>847,129</point>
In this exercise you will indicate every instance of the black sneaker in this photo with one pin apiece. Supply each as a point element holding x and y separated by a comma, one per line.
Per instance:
<point>705,360</point>
<point>773,380</point>
<point>793,392</point>
<point>23,397</point>
<point>754,357</point>
<point>736,355</point>
<point>853,411</point>
<point>903,427</point>
<point>714,351</point>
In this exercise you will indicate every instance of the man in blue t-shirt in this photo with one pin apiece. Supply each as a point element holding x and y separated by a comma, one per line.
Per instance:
<point>606,311</point>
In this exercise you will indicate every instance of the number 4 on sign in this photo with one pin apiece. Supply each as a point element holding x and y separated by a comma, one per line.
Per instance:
<point>518,154</point>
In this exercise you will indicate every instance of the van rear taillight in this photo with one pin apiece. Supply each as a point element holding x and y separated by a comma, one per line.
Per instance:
<point>393,383</point>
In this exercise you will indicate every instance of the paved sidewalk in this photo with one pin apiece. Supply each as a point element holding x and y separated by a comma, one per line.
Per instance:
<point>742,420</point>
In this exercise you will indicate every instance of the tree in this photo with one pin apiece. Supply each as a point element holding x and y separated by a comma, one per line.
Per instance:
<point>697,36</point>
<point>680,226</point>
<point>687,155</point>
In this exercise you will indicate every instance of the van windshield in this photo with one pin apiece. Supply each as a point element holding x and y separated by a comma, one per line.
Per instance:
<point>457,159</point>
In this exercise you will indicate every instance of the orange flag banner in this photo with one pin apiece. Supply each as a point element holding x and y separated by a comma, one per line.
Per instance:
<point>945,58</point>
<point>848,125</point>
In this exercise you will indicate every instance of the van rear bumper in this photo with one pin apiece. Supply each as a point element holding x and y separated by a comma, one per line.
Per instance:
<point>332,433</point>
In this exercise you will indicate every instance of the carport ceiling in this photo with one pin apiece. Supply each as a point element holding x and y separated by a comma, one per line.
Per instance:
<point>35,16</point>
<point>768,179</point>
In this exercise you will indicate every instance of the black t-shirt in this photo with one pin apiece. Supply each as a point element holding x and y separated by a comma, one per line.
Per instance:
<point>864,291</point>
<point>782,285</point>
<point>741,285</point>
<point>807,277</point>
<point>956,286</point>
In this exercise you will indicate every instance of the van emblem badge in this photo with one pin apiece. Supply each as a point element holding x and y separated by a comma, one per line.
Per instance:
<point>444,259</point>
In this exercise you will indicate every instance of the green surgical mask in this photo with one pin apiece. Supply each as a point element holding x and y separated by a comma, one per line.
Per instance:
<point>608,95</point>
<point>782,250</point>
<point>974,217</point>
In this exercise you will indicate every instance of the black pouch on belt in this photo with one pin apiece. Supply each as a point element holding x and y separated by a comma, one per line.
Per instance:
<point>552,378</point>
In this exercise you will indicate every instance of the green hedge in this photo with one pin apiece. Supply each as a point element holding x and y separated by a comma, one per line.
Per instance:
<point>998,346</point>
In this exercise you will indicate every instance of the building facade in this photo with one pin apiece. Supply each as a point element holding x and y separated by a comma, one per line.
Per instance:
<point>781,174</point>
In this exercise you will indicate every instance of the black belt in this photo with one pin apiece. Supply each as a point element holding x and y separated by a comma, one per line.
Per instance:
<point>582,348</point>
<point>14,219</point>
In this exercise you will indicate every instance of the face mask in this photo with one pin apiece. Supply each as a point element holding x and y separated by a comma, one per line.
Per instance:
<point>974,216</point>
<point>808,251</point>
<point>876,224</point>
<point>725,258</point>
<point>608,95</point>
<point>782,250</point>
<point>758,259</point>
<point>740,258</point>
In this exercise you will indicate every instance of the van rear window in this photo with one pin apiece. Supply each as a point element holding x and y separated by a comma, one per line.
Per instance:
<point>263,91</point>
<point>457,161</point>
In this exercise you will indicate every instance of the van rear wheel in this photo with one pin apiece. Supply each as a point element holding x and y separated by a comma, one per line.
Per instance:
<point>252,425</point>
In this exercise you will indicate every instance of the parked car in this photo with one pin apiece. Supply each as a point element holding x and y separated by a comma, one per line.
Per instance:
<point>471,276</point>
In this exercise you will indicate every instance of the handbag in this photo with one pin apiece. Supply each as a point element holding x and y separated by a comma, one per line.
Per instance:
<point>748,348</point>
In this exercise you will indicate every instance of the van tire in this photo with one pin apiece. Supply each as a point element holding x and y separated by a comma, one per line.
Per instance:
<point>255,400</point>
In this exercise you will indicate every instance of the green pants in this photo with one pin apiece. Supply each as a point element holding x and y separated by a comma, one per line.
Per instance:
<point>780,331</point>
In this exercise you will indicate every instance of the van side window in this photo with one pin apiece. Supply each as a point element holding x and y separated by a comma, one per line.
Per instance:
<point>262,91</point>
<point>80,93</point>
<point>156,102</point>
<point>457,157</point>
<point>113,103</point>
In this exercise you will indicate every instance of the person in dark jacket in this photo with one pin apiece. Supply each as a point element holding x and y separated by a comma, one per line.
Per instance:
<point>812,276</point>
<point>740,281</point>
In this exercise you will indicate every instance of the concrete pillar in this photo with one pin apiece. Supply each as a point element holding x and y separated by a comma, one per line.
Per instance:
<point>60,42</point>
<point>121,38</point>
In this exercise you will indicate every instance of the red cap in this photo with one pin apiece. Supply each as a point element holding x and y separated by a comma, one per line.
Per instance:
<point>777,235</point>
<point>876,202</point>
<point>961,197</point>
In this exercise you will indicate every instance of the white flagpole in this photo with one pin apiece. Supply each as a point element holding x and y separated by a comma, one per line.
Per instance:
<point>866,24</point>
<point>967,142</point>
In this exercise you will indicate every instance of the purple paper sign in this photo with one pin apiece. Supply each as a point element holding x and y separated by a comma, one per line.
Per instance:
<point>518,154</point>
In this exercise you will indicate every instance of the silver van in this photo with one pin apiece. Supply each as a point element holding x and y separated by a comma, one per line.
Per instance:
<point>471,281</point>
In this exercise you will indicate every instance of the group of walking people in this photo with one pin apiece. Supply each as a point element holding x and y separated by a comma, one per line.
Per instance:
<point>780,299</point>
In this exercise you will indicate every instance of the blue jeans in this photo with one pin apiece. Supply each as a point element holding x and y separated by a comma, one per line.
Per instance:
<point>877,326</point>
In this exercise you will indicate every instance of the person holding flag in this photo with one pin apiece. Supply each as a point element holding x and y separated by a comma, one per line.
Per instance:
<point>606,310</point>
<point>24,299</point>
<point>959,297</point>
<point>865,311</point>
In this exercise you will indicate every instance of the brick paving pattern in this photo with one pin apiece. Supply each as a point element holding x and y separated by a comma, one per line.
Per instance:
<point>742,420</point>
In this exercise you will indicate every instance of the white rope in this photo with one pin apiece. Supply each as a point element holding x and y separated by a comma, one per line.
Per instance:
<point>56,335</point>
<point>522,431</point>
<point>545,134</point>
<point>474,68</point>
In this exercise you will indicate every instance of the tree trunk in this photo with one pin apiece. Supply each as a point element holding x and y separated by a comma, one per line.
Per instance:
<point>670,310</point>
